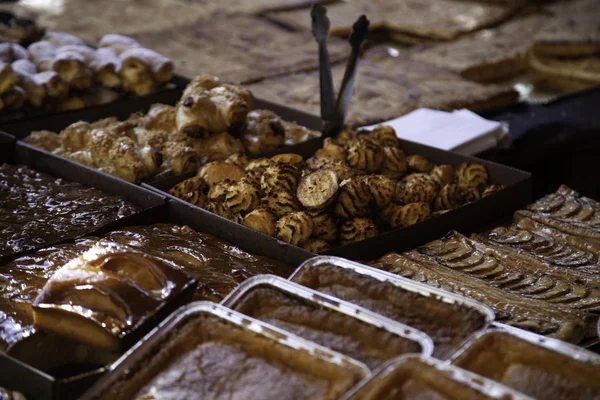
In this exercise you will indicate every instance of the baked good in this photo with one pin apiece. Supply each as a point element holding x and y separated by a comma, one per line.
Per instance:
<point>219,171</point>
<point>419,163</point>
<point>279,176</point>
<point>395,162</point>
<point>316,246</point>
<point>364,155</point>
<point>318,189</point>
<point>398,216</point>
<point>325,226</point>
<point>471,174</point>
<point>295,228</point>
<point>354,199</point>
<point>261,220</point>
<point>281,202</point>
<point>357,229</point>
<point>382,189</point>
<point>443,174</point>
<point>243,196</point>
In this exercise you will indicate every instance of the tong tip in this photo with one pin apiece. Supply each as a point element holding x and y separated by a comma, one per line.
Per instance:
<point>320,21</point>
<point>360,29</point>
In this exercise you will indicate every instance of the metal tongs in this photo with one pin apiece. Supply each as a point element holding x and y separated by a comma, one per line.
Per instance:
<point>333,112</point>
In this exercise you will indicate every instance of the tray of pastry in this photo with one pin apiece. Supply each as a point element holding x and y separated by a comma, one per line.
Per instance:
<point>357,196</point>
<point>34,355</point>
<point>59,72</point>
<point>332,323</point>
<point>537,366</point>
<point>171,133</point>
<point>447,318</point>
<point>208,350</point>
<point>47,199</point>
<point>418,377</point>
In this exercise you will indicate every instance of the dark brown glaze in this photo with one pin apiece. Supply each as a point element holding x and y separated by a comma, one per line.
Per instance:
<point>218,265</point>
<point>20,282</point>
<point>38,209</point>
<point>447,324</point>
<point>340,332</point>
<point>531,369</point>
<point>208,358</point>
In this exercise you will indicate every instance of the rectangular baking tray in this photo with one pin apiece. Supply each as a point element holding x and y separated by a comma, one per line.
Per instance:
<point>136,354</point>
<point>482,385</point>
<point>466,219</point>
<point>321,300</point>
<point>400,282</point>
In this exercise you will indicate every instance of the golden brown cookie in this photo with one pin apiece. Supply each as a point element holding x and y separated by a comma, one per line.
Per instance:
<point>324,226</point>
<point>419,163</point>
<point>279,176</point>
<point>417,188</point>
<point>318,189</point>
<point>471,174</point>
<point>382,189</point>
<point>261,220</point>
<point>218,171</point>
<point>410,214</point>
<point>448,198</point>
<point>385,135</point>
<point>395,162</point>
<point>354,199</point>
<point>289,158</point>
<point>444,174</point>
<point>492,189</point>
<point>365,155</point>
<point>332,149</point>
<point>295,228</point>
<point>316,246</point>
<point>281,202</point>
<point>356,229</point>
<point>242,196</point>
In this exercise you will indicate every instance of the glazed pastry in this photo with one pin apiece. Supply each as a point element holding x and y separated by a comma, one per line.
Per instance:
<point>316,246</point>
<point>242,196</point>
<point>53,84</point>
<point>444,174</point>
<point>289,158</point>
<point>59,39</point>
<point>216,172</point>
<point>8,78</point>
<point>261,220</point>
<point>281,202</point>
<point>410,214</point>
<point>42,54</point>
<point>318,189</point>
<point>118,43</point>
<point>492,189</point>
<point>448,198</point>
<point>342,170</point>
<point>208,106</point>
<point>324,226</point>
<point>354,199</point>
<point>218,191</point>
<point>106,66</point>
<point>395,163</point>
<point>295,228</point>
<point>418,163</point>
<point>382,188</point>
<point>417,188</point>
<point>365,155</point>
<point>279,177</point>
<point>385,136</point>
<point>331,149</point>
<point>471,174</point>
<point>264,132</point>
<point>356,229</point>
<point>72,67</point>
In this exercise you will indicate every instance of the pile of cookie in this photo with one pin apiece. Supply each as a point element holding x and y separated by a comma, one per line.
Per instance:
<point>354,187</point>
<point>61,72</point>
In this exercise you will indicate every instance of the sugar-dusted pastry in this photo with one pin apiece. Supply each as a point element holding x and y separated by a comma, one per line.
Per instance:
<point>139,64</point>
<point>295,228</point>
<point>281,202</point>
<point>264,132</point>
<point>382,188</point>
<point>365,155</point>
<point>52,83</point>
<point>8,78</point>
<point>118,43</point>
<point>354,199</point>
<point>71,103</point>
<point>279,176</point>
<point>72,67</point>
<point>35,92</point>
<point>398,216</point>
<point>84,51</point>
<point>258,165</point>
<point>416,188</point>
<point>59,39</point>
<point>318,189</point>
<point>342,169</point>
<point>471,174</point>
<point>324,226</point>
<point>289,158</point>
<point>448,198</point>
<point>332,149</point>
<point>14,98</point>
<point>356,229</point>
<point>261,220</point>
<point>242,196</point>
<point>316,246</point>
<point>491,189</point>
<point>444,174</point>
<point>419,163</point>
<point>41,54</point>
<point>208,106</point>
<point>11,52</point>
<point>218,171</point>
<point>384,135</point>
<point>395,162</point>
<point>24,65</point>
<point>106,66</point>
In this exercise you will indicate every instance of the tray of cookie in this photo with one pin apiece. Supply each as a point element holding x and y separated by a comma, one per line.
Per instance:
<point>47,199</point>
<point>206,344</point>
<point>172,133</point>
<point>355,196</point>
<point>59,72</point>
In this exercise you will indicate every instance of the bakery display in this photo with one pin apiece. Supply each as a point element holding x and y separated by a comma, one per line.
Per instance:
<point>540,370</point>
<point>201,351</point>
<point>18,30</point>
<point>448,324</point>
<point>37,209</point>
<point>329,327</point>
<point>212,121</point>
<point>355,187</point>
<point>61,72</point>
<point>105,294</point>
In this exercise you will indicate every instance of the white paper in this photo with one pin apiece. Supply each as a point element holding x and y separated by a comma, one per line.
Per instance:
<point>461,130</point>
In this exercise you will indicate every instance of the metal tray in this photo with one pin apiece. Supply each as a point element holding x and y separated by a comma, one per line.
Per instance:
<point>387,374</point>
<point>43,161</point>
<point>400,282</point>
<point>321,300</point>
<point>127,364</point>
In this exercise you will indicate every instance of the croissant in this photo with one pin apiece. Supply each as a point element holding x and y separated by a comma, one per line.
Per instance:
<point>179,158</point>
<point>264,132</point>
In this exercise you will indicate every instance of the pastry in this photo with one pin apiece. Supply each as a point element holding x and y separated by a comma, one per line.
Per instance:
<point>136,62</point>
<point>491,189</point>
<point>331,149</point>
<point>14,98</point>
<point>318,189</point>
<point>410,214</point>
<point>316,246</point>
<point>258,165</point>
<point>416,188</point>
<point>52,83</point>
<point>324,226</point>
<point>395,162</point>
<point>60,39</point>
<point>356,229</point>
<point>218,191</point>
<point>342,170</point>
<point>41,54</point>
<point>444,174</point>
<point>72,67</point>
<point>281,202</point>
<point>106,66</point>
<point>11,52</point>
<point>117,43</point>
<point>385,136</point>
<point>8,78</point>
<point>261,220</point>
<point>469,194</point>
<point>219,208</point>
<point>218,147</point>
<point>242,196</point>
<point>447,198</point>
<point>295,228</point>
<point>289,158</point>
<point>382,189</point>
<point>419,163</point>
<point>240,160</point>
<point>354,199</point>
<point>34,90</point>
<point>471,174</point>
<point>364,155</point>
<point>279,176</point>
<point>264,132</point>
<point>218,171</point>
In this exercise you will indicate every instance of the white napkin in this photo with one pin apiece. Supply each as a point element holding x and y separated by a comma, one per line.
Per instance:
<point>462,130</point>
